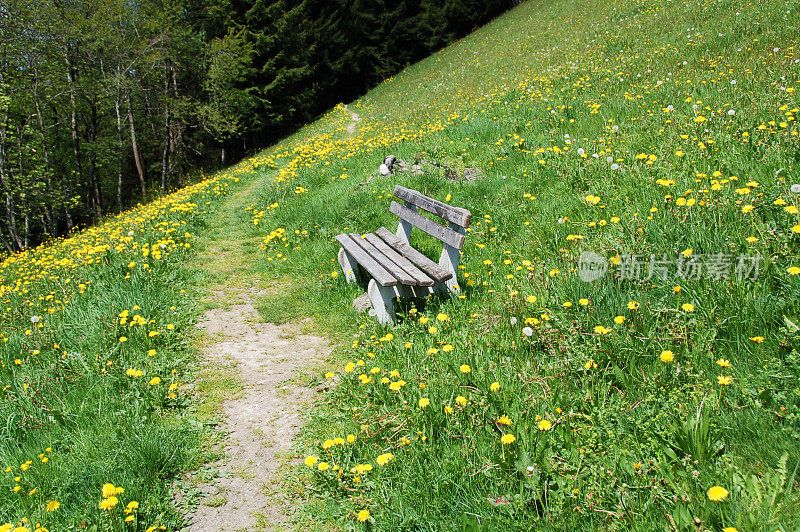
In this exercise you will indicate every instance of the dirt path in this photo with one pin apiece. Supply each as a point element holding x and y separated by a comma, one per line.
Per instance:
<point>355,119</point>
<point>261,422</point>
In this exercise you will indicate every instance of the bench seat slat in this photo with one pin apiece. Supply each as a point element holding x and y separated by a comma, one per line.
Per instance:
<point>436,272</point>
<point>419,276</point>
<point>447,212</point>
<point>378,272</point>
<point>386,262</point>
<point>445,234</point>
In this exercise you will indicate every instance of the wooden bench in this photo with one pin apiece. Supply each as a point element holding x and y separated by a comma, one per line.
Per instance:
<point>396,268</point>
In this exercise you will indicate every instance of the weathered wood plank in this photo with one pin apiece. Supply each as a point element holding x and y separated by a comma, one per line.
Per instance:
<point>447,212</point>
<point>445,234</point>
<point>382,299</point>
<point>408,266</point>
<point>377,271</point>
<point>399,273</point>
<point>449,260</point>
<point>436,272</point>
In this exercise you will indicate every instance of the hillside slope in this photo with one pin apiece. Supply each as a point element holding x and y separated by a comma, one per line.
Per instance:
<point>660,136</point>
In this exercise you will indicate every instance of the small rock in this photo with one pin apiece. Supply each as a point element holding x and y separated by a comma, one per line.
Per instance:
<point>472,174</point>
<point>327,384</point>
<point>362,303</point>
<point>384,170</point>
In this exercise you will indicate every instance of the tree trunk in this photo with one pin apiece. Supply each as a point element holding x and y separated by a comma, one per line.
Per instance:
<point>73,120</point>
<point>94,186</point>
<point>176,132</point>
<point>49,216</point>
<point>59,167</point>
<point>11,221</point>
<point>167,134</point>
<point>136,157</point>
<point>119,154</point>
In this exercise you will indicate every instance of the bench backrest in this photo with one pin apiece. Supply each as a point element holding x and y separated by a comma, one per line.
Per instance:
<point>458,219</point>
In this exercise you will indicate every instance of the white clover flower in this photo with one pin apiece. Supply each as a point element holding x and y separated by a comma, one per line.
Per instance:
<point>795,188</point>
<point>609,159</point>
<point>513,320</point>
<point>130,233</point>
<point>581,151</point>
<point>731,112</point>
<point>35,319</point>
<point>527,331</point>
<point>615,166</point>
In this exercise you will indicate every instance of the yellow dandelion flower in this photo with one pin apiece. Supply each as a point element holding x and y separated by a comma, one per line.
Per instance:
<point>717,493</point>
<point>109,503</point>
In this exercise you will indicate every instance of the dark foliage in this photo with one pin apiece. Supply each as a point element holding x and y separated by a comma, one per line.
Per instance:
<point>104,103</point>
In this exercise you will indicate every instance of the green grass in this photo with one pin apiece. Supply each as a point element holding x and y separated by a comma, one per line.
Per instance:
<point>634,442</point>
<point>630,441</point>
<point>96,362</point>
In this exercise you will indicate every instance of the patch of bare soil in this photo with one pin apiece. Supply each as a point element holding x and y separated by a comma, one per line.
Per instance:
<point>355,119</point>
<point>262,423</point>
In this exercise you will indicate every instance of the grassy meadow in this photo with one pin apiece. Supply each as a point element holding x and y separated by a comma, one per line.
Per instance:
<point>97,370</point>
<point>659,135</point>
<point>664,397</point>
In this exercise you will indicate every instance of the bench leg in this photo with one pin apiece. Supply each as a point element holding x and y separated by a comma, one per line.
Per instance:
<point>349,265</point>
<point>449,261</point>
<point>382,302</point>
